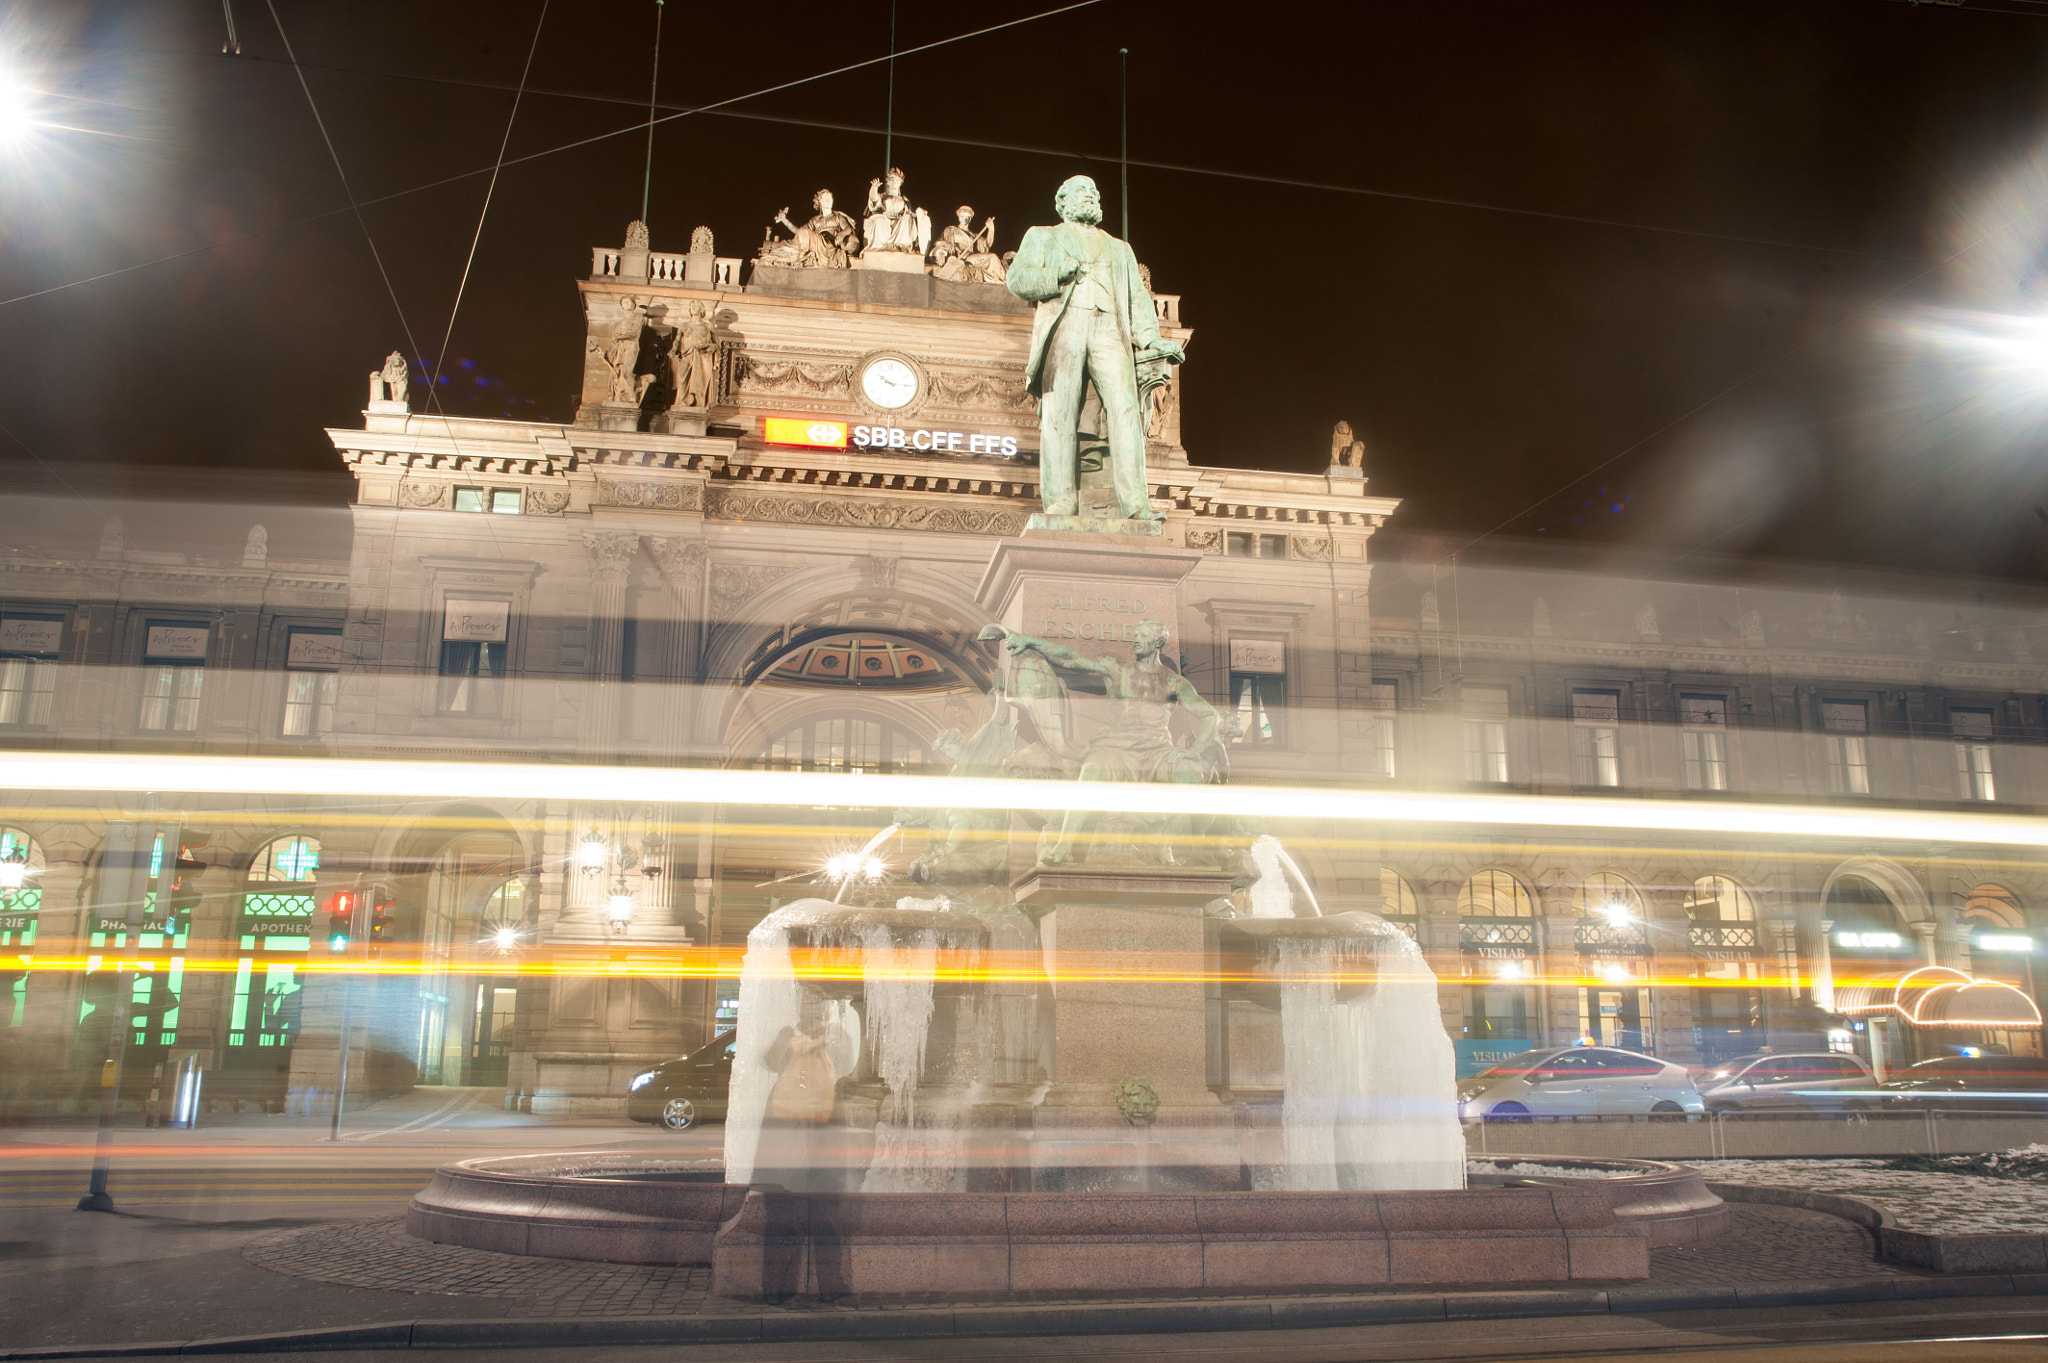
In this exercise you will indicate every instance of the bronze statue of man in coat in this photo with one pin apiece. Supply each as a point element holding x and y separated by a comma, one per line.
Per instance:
<point>1096,322</point>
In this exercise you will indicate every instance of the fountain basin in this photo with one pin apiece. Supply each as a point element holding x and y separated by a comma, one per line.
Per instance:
<point>578,1205</point>
<point>1670,1202</point>
<point>1018,1245</point>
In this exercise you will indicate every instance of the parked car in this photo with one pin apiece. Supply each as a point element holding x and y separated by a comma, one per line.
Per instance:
<point>1578,1081</point>
<point>1787,1082</point>
<point>1970,1083</point>
<point>687,1090</point>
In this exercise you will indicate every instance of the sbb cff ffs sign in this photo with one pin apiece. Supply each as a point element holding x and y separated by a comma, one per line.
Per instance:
<point>807,433</point>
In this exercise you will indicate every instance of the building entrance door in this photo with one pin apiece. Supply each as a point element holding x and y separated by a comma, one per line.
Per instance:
<point>1614,1017</point>
<point>490,1040</point>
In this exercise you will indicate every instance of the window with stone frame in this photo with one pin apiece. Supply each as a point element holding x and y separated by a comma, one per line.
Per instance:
<point>1382,757</point>
<point>1845,739</point>
<point>1973,733</point>
<point>1258,690</point>
<point>29,648</point>
<point>173,676</point>
<point>474,634</point>
<point>312,671</point>
<point>1703,740</point>
<point>1596,738</point>
<point>1485,734</point>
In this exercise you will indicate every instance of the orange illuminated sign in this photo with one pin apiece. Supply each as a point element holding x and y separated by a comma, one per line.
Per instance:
<point>797,430</point>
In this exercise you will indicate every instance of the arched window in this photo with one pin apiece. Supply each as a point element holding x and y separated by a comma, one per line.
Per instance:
<point>1609,898</point>
<point>292,859</point>
<point>1494,894</point>
<point>843,742</point>
<point>1995,909</point>
<point>1717,899</point>
<point>1396,899</point>
<point>274,930</point>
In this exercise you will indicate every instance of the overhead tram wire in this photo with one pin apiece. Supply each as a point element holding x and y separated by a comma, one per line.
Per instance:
<point>356,206</point>
<point>653,93</point>
<point>347,189</point>
<point>434,379</point>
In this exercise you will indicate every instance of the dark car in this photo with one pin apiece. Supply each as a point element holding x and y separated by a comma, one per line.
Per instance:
<point>1786,1081</point>
<point>1971,1083</point>
<point>687,1090</point>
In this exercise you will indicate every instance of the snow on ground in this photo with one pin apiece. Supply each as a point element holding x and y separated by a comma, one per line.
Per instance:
<point>1951,1204</point>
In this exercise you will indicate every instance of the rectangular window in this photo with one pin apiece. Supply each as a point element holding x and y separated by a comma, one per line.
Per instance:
<point>1596,738</point>
<point>473,636</point>
<point>1847,723</point>
<point>505,501</point>
<point>469,499</point>
<point>173,677</point>
<point>1245,544</point>
<point>1486,733</point>
<point>29,646</point>
<point>1258,689</point>
<point>1972,729</point>
<point>1380,756</point>
<point>312,662</point>
<point>1704,739</point>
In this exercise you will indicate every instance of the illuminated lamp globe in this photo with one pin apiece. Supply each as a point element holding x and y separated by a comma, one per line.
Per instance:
<point>505,938</point>
<point>13,873</point>
<point>1617,915</point>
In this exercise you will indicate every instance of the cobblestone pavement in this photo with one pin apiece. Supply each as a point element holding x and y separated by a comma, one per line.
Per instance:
<point>1773,1244</point>
<point>1764,1244</point>
<point>1952,1204</point>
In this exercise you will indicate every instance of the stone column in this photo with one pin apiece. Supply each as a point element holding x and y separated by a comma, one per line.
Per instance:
<point>611,561</point>
<point>1926,930</point>
<point>681,561</point>
<point>1824,966</point>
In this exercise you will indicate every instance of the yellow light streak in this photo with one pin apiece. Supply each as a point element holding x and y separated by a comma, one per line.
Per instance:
<point>346,778</point>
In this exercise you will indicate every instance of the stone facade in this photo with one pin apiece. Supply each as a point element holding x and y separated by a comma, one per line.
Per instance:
<point>672,589</point>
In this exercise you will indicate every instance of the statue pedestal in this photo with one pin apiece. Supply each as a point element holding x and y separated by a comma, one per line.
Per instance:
<point>895,262</point>
<point>1125,953</point>
<point>1088,590</point>
<point>686,420</point>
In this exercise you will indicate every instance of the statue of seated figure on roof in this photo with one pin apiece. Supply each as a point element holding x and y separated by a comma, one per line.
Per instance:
<point>827,242</point>
<point>965,256</point>
<point>892,224</point>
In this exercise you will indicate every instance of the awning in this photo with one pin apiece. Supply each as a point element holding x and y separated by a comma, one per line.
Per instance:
<point>1937,996</point>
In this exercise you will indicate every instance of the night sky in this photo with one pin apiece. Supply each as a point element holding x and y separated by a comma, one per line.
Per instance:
<point>1752,352</point>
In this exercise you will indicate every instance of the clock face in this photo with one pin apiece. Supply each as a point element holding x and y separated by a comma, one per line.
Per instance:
<point>889,383</point>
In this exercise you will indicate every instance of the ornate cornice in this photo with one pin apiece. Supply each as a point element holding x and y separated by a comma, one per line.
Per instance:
<point>652,493</point>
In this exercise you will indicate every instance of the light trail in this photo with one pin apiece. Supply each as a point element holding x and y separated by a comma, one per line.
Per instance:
<point>356,778</point>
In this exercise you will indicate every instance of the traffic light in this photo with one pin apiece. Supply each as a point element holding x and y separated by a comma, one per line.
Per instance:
<point>340,910</point>
<point>381,905</point>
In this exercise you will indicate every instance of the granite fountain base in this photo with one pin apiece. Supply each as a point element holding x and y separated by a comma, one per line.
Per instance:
<point>757,1239</point>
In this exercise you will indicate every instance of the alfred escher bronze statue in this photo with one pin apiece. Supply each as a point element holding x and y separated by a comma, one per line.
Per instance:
<point>1095,322</point>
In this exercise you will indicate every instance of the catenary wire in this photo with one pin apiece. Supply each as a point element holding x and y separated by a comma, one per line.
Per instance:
<point>356,206</point>
<point>434,380</point>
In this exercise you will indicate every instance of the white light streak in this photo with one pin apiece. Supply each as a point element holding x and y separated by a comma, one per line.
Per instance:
<point>356,778</point>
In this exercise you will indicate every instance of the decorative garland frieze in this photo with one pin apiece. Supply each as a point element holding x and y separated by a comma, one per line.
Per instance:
<point>964,520</point>
<point>651,493</point>
<point>546,501</point>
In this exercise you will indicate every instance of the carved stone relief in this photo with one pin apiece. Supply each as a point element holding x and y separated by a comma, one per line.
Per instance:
<point>1309,546</point>
<point>803,378</point>
<point>1001,391</point>
<point>701,242</point>
<point>733,585</point>
<point>653,493</point>
<point>611,552</point>
<point>1208,541</point>
<point>879,572</point>
<point>541,501</point>
<point>421,494</point>
<point>680,560</point>
<point>873,515</point>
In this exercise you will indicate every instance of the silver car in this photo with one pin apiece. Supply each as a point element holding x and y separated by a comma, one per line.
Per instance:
<point>1792,1081</point>
<point>1579,1081</point>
